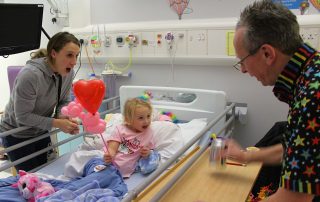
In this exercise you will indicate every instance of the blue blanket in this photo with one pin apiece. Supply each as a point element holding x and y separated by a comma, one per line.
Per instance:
<point>92,186</point>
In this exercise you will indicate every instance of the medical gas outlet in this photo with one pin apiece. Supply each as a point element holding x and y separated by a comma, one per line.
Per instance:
<point>169,37</point>
<point>132,40</point>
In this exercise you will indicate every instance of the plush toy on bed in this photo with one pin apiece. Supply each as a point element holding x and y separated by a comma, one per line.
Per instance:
<point>168,116</point>
<point>31,187</point>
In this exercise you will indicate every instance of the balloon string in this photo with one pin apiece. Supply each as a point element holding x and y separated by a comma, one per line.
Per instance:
<point>105,145</point>
<point>104,142</point>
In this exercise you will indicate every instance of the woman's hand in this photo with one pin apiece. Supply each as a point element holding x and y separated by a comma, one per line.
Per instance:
<point>66,125</point>
<point>144,152</point>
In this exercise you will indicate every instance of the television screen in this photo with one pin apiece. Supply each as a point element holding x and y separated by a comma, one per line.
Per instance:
<point>20,27</point>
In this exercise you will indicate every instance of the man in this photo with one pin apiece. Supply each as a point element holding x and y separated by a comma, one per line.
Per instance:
<point>269,46</point>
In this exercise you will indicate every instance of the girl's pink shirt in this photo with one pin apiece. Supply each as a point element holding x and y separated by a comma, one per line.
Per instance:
<point>130,144</point>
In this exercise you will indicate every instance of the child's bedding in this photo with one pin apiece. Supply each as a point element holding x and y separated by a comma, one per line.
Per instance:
<point>71,170</point>
<point>169,138</point>
<point>108,183</point>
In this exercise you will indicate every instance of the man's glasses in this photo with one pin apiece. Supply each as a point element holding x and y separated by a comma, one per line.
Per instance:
<point>238,65</point>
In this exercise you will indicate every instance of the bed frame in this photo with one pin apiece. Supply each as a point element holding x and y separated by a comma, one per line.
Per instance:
<point>112,102</point>
<point>198,103</point>
<point>186,104</point>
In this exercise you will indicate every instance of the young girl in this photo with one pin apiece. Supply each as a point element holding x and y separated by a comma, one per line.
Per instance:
<point>133,139</point>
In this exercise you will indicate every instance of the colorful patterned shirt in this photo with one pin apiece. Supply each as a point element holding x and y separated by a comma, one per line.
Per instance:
<point>298,85</point>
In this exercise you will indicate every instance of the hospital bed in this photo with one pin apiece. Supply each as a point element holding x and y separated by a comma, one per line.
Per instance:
<point>200,113</point>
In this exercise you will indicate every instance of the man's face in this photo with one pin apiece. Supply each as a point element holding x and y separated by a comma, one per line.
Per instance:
<point>254,64</point>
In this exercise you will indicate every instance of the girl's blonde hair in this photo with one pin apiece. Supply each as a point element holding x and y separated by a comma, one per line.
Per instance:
<point>130,108</point>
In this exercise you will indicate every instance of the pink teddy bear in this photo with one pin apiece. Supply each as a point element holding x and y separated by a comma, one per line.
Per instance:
<point>31,187</point>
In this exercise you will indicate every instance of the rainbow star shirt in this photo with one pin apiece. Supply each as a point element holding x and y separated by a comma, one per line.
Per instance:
<point>298,85</point>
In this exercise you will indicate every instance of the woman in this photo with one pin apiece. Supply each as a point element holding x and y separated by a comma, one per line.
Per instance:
<point>41,89</point>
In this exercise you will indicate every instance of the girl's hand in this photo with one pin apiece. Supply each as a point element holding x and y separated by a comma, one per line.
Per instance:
<point>144,152</point>
<point>107,158</point>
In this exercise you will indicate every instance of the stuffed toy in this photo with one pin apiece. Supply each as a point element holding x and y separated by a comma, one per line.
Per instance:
<point>31,187</point>
<point>168,116</point>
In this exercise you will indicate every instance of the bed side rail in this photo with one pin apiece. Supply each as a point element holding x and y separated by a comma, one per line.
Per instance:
<point>113,105</point>
<point>227,127</point>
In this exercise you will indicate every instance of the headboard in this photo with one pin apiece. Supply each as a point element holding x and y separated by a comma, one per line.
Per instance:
<point>185,103</point>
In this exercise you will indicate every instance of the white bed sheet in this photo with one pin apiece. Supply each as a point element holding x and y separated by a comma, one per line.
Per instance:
<point>169,137</point>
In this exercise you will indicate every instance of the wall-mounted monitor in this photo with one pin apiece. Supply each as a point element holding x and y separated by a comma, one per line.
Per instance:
<point>20,26</point>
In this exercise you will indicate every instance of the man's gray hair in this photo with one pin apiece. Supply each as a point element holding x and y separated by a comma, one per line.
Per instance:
<point>271,23</point>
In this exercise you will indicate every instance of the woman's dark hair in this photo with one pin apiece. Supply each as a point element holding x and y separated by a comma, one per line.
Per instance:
<point>58,41</point>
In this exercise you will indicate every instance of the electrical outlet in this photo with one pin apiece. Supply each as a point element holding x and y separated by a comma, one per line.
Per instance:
<point>84,40</point>
<point>197,42</point>
<point>311,36</point>
<point>107,41</point>
<point>148,43</point>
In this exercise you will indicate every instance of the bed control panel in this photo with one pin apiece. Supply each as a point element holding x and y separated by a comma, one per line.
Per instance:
<point>174,97</point>
<point>186,97</point>
<point>185,103</point>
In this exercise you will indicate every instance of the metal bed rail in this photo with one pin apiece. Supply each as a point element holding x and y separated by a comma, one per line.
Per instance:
<point>115,104</point>
<point>131,195</point>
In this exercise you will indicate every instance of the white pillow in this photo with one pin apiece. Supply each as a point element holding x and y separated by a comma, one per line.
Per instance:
<point>191,129</point>
<point>168,138</point>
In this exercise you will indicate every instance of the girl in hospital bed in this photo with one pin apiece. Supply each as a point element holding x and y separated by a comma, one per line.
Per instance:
<point>130,146</point>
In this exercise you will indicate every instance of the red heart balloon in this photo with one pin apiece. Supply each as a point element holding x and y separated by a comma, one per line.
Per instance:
<point>89,93</point>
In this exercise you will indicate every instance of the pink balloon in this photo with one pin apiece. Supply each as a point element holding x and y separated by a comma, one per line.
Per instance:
<point>90,119</point>
<point>71,104</point>
<point>79,105</point>
<point>82,115</point>
<point>65,111</point>
<point>97,129</point>
<point>91,122</point>
<point>74,111</point>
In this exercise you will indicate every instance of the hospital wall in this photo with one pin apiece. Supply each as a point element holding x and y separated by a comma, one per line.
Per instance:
<point>21,58</point>
<point>263,108</point>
